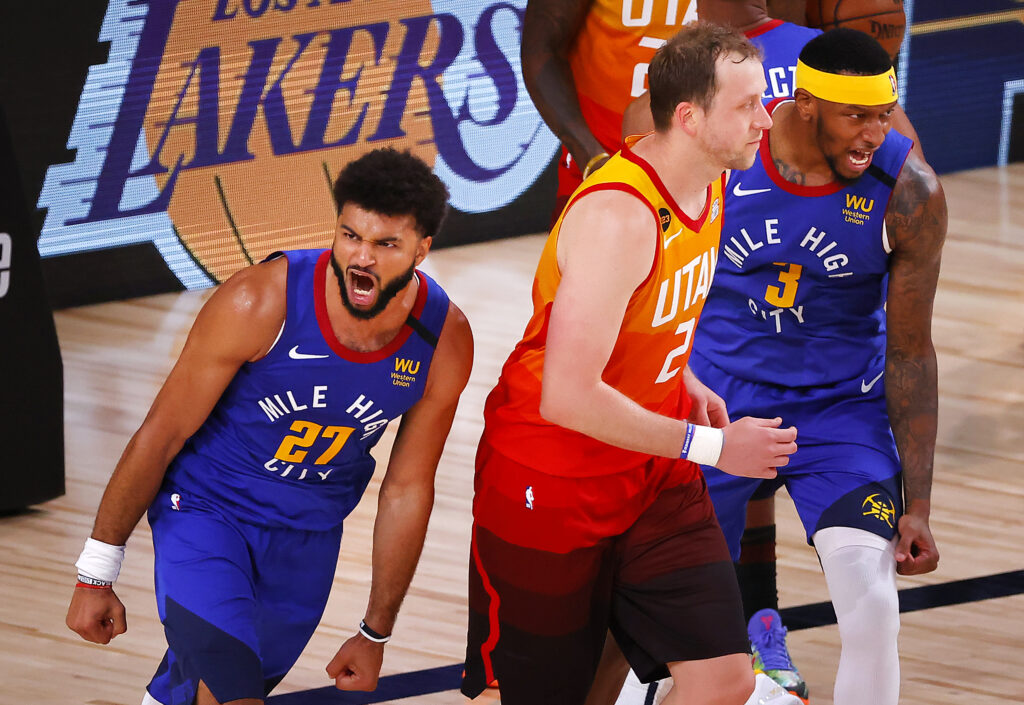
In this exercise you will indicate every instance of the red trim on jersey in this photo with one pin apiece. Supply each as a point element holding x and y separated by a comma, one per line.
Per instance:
<point>625,188</point>
<point>339,348</point>
<point>611,186</point>
<point>487,648</point>
<point>762,28</point>
<point>694,225</point>
<point>834,186</point>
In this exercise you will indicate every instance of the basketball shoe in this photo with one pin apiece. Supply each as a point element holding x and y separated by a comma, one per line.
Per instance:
<point>766,692</point>
<point>768,644</point>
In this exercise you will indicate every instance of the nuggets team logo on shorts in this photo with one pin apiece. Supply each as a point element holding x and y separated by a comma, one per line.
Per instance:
<point>216,127</point>
<point>882,509</point>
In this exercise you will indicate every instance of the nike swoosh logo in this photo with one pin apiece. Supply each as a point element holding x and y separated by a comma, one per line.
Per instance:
<point>865,387</point>
<point>672,237</point>
<point>296,355</point>
<point>737,191</point>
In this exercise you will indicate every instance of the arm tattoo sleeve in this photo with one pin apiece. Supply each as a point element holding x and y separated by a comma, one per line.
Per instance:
<point>916,220</point>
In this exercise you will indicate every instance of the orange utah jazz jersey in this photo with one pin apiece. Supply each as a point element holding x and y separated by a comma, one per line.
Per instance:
<point>653,344</point>
<point>610,57</point>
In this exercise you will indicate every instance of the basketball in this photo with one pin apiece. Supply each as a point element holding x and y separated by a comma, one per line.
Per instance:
<point>882,19</point>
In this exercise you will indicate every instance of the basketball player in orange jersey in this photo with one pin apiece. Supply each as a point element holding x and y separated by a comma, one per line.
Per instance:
<point>589,510</point>
<point>583,61</point>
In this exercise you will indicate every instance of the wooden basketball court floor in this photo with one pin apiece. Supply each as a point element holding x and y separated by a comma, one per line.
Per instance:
<point>968,651</point>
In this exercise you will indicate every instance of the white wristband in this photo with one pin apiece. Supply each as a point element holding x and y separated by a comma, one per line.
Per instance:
<point>702,444</point>
<point>372,635</point>
<point>100,561</point>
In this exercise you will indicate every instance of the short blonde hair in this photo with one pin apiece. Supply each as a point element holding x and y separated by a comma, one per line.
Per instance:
<point>684,69</point>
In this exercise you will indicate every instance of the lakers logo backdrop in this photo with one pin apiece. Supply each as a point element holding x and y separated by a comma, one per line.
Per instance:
<point>216,127</point>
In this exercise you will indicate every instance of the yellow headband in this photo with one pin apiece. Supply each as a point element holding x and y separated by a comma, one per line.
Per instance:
<point>839,88</point>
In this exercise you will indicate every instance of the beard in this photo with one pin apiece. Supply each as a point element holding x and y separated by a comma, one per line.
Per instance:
<point>720,153</point>
<point>741,161</point>
<point>388,291</point>
<point>831,159</point>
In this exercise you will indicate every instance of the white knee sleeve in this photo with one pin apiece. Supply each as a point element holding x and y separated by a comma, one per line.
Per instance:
<point>860,569</point>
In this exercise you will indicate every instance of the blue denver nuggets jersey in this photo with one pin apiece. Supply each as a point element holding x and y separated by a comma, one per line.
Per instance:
<point>800,285</point>
<point>288,443</point>
<point>781,43</point>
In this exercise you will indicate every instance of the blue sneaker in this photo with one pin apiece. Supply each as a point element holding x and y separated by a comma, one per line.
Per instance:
<point>768,644</point>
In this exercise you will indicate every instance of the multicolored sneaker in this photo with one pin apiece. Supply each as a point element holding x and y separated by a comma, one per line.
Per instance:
<point>768,643</point>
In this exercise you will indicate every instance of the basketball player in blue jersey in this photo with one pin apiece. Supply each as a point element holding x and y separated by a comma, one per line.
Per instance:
<point>821,312</point>
<point>258,446</point>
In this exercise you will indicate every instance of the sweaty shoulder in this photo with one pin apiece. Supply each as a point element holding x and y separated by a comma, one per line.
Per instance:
<point>916,215</point>
<point>612,225</point>
<point>918,176</point>
<point>453,357</point>
<point>456,335</point>
<point>252,305</point>
<point>616,214</point>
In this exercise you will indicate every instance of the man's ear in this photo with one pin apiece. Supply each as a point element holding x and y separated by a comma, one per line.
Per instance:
<point>806,104</point>
<point>687,116</point>
<point>422,248</point>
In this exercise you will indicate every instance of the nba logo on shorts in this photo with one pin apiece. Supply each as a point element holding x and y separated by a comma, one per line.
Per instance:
<point>529,497</point>
<point>176,501</point>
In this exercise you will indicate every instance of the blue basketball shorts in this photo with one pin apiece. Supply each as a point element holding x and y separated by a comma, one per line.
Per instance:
<point>846,471</point>
<point>238,602</point>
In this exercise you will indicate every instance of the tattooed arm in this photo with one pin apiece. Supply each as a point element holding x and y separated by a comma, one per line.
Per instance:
<point>916,221</point>
<point>549,30</point>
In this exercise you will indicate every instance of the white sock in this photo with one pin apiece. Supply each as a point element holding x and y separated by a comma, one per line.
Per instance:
<point>860,569</point>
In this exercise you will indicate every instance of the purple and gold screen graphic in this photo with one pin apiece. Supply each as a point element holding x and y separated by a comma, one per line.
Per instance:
<point>216,127</point>
<point>207,131</point>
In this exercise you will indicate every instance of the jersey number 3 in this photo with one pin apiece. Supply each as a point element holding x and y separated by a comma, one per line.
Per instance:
<point>784,296</point>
